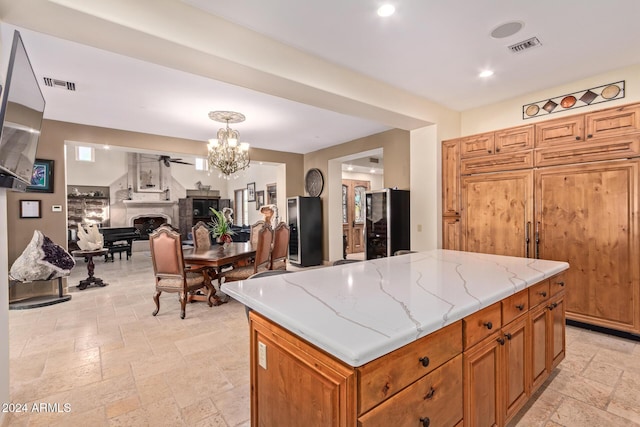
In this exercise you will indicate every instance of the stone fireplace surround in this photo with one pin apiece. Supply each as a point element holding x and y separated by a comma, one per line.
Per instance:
<point>140,211</point>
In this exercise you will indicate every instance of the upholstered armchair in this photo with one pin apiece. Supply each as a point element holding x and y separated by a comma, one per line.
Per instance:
<point>280,248</point>
<point>169,269</point>
<point>261,261</point>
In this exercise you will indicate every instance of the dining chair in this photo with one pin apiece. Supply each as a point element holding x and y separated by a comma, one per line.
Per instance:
<point>261,260</point>
<point>201,236</point>
<point>202,241</point>
<point>403,252</point>
<point>346,261</point>
<point>170,271</point>
<point>280,248</point>
<point>255,228</point>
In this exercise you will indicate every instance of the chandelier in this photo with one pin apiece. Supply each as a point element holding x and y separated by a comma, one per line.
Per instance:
<point>225,153</point>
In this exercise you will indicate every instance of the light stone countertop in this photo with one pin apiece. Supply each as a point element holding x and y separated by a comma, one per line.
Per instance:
<point>358,312</point>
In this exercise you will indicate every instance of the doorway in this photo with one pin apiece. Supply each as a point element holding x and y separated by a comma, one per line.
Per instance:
<point>353,214</point>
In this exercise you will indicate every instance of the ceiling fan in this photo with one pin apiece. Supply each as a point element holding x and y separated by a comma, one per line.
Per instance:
<point>168,160</point>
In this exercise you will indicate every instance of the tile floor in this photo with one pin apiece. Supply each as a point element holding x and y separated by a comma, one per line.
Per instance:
<point>114,364</point>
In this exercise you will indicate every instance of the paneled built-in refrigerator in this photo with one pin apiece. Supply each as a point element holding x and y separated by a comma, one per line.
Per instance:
<point>388,222</point>
<point>305,223</point>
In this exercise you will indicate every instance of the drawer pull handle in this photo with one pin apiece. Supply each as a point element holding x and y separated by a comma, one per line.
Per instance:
<point>429,395</point>
<point>425,361</point>
<point>425,421</point>
<point>520,307</point>
<point>489,151</point>
<point>500,340</point>
<point>560,284</point>
<point>489,325</point>
<point>497,150</point>
<point>508,336</point>
<point>552,306</point>
<point>543,294</point>
<point>577,138</point>
<point>589,136</point>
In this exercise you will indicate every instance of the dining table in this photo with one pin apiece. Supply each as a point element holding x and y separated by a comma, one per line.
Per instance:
<point>219,256</point>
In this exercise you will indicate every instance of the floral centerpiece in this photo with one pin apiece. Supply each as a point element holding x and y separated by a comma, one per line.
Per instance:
<point>220,227</point>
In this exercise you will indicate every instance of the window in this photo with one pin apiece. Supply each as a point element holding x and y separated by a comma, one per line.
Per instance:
<point>201,164</point>
<point>85,154</point>
<point>241,203</point>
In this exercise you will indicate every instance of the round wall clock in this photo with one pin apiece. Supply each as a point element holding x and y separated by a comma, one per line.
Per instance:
<point>314,182</point>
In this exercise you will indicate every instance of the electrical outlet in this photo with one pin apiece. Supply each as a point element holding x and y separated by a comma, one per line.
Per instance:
<point>262,354</point>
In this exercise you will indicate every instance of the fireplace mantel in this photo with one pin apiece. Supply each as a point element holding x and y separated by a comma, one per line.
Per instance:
<point>149,203</point>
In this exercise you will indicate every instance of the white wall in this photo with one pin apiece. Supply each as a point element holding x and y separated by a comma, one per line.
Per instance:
<point>509,113</point>
<point>262,174</point>
<point>108,166</point>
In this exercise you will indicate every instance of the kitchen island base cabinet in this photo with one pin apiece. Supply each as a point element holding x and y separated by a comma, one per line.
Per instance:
<point>294,384</point>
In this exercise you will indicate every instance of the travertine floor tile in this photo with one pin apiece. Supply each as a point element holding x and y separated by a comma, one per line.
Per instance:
<point>573,413</point>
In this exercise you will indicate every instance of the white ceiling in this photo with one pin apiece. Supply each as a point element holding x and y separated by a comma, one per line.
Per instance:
<point>431,49</point>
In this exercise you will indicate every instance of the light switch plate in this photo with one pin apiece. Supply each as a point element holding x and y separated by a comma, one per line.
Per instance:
<point>262,354</point>
<point>56,208</point>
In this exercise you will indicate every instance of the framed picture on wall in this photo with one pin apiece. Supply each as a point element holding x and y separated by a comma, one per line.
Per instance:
<point>251,192</point>
<point>259,199</point>
<point>41,177</point>
<point>30,209</point>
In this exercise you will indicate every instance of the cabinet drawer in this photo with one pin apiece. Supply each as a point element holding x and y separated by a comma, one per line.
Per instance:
<point>383,377</point>
<point>613,121</point>
<point>477,145</point>
<point>514,139</point>
<point>436,397</point>
<point>497,163</point>
<point>557,284</point>
<point>603,149</point>
<point>560,131</point>
<point>514,306</point>
<point>539,293</point>
<point>480,325</point>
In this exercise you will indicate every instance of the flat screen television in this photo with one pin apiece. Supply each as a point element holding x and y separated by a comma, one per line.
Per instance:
<point>21,114</point>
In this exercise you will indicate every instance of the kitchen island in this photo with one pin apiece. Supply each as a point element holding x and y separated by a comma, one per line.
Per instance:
<point>417,339</point>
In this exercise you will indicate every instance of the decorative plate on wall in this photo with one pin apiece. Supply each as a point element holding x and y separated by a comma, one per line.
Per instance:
<point>314,182</point>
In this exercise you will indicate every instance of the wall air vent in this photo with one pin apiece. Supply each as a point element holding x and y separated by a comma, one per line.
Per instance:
<point>525,45</point>
<point>48,81</point>
<point>374,160</point>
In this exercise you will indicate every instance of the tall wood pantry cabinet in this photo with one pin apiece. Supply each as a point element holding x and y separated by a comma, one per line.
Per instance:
<point>564,189</point>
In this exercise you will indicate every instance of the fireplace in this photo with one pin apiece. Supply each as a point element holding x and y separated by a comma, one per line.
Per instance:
<point>146,224</point>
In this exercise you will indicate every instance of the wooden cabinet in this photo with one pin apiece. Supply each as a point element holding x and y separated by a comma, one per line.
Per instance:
<point>509,363</point>
<point>514,139</point>
<point>194,209</point>
<point>588,216</point>
<point>474,372</point>
<point>450,178</point>
<point>435,399</point>
<point>548,344</point>
<point>496,373</point>
<point>607,123</point>
<point>477,145</point>
<point>581,207</point>
<point>497,212</point>
<point>451,233</point>
<point>293,382</point>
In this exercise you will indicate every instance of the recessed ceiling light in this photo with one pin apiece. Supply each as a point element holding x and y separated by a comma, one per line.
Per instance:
<point>106,147</point>
<point>372,171</point>
<point>506,30</point>
<point>485,73</point>
<point>350,168</point>
<point>386,10</point>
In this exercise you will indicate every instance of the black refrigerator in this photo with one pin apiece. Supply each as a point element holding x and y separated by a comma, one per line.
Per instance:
<point>305,224</point>
<point>388,222</point>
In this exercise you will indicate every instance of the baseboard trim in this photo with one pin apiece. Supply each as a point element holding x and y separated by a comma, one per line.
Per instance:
<point>603,330</point>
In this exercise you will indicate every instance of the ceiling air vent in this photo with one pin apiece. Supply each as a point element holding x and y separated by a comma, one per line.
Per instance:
<point>374,160</point>
<point>524,45</point>
<point>48,81</point>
